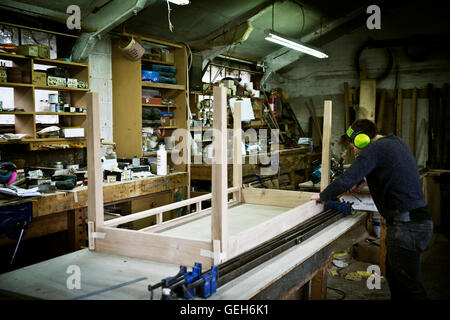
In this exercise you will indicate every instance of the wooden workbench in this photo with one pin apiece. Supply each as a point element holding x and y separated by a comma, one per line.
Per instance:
<point>62,211</point>
<point>290,161</point>
<point>112,277</point>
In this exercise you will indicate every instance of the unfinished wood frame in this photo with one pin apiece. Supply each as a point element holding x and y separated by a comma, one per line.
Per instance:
<point>151,242</point>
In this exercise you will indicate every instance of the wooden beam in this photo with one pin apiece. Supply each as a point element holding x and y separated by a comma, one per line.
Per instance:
<point>265,231</point>
<point>327,117</point>
<point>95,192</point>
<point>219,177</point>
<point>237,149</point>
<point>153,246</point>
<point>274,197</point>
<point>367,100</point>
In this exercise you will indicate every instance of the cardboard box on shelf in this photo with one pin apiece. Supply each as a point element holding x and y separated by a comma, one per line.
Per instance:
<point>31,50</point>
<point>39,78</point>
<point>368,252</point>
<point>72,132</point>
<point>150,100</point>
<point>167,57</point>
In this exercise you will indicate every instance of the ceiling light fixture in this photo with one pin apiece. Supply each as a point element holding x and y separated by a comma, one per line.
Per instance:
<point>180,2</point>
<point>278,38</point>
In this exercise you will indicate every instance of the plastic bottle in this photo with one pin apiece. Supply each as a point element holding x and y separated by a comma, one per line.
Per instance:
<point>161,161</point>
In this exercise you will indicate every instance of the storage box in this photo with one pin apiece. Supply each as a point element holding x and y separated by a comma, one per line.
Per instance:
<point>148,75</point>
<point>56,81</point>
<point>72,132</point>
<point>39,78</point>
<point>167,57</point>
<point>150,100</point>
<point>368,252</point>
<point>43,51</point>
<point>82,84</point>
<point>31,50</point>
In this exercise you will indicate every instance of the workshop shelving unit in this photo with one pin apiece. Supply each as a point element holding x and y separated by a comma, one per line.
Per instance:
<point>25,99</point>
<point>128,105</point>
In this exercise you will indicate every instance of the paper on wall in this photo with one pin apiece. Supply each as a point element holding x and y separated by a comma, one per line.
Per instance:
<point>246,108</point>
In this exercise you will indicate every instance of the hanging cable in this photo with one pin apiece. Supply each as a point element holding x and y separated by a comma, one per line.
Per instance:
<point>303,20</point>
<point>168,16</point>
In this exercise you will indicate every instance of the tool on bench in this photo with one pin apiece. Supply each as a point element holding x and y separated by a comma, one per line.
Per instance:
<point>8,173</point>
<point>186,285</point>
<point>14,221</point>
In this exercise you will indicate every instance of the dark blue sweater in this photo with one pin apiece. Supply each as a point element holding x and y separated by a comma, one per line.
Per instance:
<point>391,173</point>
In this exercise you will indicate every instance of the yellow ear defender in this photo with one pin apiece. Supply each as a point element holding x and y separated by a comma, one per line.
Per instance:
<point>359,139</point>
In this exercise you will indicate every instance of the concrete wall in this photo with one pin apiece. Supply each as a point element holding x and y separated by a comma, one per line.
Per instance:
<point>322,79</point>
<point>101,82</point>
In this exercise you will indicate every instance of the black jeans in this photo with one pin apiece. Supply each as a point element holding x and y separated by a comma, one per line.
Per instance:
<point>405,242</point>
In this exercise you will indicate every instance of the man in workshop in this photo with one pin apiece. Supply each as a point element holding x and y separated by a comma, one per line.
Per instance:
<point>391,173</point>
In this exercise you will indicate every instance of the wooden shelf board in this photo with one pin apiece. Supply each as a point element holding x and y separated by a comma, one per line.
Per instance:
<point>17,112</point>
<point>61,113</point>
<point>6,56</point>
<point>58,62</point>
<point>158,105</point>
<point>60,88</point>
<point>162,85</point>
<point>55,139</point>
<point>15,85</point>
<point>158,62</point>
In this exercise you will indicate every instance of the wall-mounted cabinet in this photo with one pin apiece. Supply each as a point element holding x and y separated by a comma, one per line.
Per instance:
<point>27,78</point>
<point>130,105</point>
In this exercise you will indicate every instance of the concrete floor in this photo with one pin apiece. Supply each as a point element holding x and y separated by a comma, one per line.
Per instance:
<point>435,276</point>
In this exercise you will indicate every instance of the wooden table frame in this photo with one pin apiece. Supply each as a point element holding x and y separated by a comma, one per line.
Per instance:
<point>148,244</point>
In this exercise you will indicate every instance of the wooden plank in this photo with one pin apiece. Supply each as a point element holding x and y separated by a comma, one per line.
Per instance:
<point>153,246</point>
<point>327,118</point>
<point>398,128</point>
<point>219,178</point>
<point>95,193</point>
<point>413,124</point>
<point>367,100</point>
<point>273,197</point>
<point>155,211</point>
<point>319,284</point>
<point>250,284</point>
<point>237,150</point>
<point>265,231</point>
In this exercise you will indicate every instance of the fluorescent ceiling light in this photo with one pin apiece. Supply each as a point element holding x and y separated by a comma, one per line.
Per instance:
<point>275,37</point>
<point>179,2</point>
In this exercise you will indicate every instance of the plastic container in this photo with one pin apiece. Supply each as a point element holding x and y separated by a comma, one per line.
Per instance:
<point>161,161</point>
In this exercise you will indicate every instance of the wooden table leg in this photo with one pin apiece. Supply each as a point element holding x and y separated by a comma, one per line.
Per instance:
<point>76,228</point>
<point>319,285</point>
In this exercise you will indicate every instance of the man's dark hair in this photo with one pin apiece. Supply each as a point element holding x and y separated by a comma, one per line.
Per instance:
<point>364,126</point>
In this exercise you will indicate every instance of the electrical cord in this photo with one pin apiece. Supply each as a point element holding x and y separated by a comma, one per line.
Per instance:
<point>388,69</point>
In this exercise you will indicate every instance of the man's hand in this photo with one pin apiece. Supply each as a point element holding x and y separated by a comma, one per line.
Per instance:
<point>316,197</point>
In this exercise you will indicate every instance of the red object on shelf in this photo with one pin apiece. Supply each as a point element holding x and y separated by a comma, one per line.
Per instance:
<point>149,100</point>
